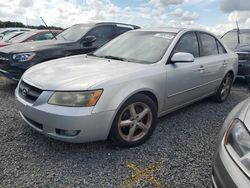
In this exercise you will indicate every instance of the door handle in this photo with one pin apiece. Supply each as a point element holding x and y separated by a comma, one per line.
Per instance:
<point>201,69</point>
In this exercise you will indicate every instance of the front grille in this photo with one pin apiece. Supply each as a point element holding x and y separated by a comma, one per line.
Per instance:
<point>243,56</point>
<point>28,92</point>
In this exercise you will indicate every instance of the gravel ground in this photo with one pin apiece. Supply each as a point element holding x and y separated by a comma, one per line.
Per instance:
<point>179,154</point>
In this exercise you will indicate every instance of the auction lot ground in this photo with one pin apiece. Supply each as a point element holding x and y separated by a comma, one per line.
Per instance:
<point>179,154</point>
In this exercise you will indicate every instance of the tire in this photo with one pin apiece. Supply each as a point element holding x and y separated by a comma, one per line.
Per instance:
<point>134,122</point>
<point>224,90</point>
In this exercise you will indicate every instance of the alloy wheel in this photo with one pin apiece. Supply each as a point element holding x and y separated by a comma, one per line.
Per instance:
<point>135,121</point>
<point>226,86</point>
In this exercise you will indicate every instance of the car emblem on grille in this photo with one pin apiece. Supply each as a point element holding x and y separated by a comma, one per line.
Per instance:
<point>25,91</point>
<point>3,58</point>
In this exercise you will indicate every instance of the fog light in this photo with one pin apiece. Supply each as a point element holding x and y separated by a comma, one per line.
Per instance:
<point>67,132</point>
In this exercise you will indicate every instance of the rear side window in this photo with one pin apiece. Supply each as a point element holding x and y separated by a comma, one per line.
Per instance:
<point>103,34</point>
<point>221,49</point>
<point>121,30</point>
<point>188,43</point>
<point>209,46</point>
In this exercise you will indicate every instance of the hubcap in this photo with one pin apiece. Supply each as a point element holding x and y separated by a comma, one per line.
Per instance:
<point>226,85</point>
<point>135,122</point>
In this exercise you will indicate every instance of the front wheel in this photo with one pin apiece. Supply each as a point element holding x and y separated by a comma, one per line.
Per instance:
<point>224,89</point>
<point>134,122</point>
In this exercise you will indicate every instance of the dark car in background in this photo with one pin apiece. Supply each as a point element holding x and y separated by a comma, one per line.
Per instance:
<point>78,39</point>
<point>239,41</point>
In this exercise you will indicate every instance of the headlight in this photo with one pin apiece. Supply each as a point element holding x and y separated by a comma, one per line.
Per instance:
<point>75,99</point>
<point>23,57</point>
<point>237,142</point>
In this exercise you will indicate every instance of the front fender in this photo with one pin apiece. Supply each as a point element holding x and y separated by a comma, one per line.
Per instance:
<point>115,95</point>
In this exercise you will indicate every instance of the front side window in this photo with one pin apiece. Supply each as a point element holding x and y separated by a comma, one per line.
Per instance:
<point>139,46</point>
<point>189,44</point>
<point>209,46</point>
<point>103,34</point>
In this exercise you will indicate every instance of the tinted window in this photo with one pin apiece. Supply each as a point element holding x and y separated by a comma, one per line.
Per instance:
<point>221,49</point>
<point>188,43</point>
<point>209,45</point>
<point>121,30</point>
<point>103,34</point>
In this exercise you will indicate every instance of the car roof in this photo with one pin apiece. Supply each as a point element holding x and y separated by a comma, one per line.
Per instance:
<point>92,24</point>
<point>172,30</point>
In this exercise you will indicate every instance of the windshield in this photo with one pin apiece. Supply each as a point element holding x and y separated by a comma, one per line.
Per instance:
<point>231,38</point>
<point>139,47</point>
<point>74,33</point>
<point>22,37</point>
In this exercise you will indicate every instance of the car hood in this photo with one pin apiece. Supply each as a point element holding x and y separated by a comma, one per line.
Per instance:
<point>78,72</point>
<point>34,46</point>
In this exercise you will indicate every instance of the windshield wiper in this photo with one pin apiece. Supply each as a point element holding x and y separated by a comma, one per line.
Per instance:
<point>116,58</point>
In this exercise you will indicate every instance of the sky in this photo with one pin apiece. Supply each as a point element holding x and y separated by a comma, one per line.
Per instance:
<point>217,16</point>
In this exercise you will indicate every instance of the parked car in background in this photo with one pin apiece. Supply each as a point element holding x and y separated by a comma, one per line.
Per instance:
<point>78,39</point>
<point>231,168</point>
<point>241,45</point>
<point>9,36</point>
<point>36,35</point>
<point>5,31</point>
<point>119,90</point>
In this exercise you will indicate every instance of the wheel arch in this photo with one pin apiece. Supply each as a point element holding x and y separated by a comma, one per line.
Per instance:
<point>148,92</point>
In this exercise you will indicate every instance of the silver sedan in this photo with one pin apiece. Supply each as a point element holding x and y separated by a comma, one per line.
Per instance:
<point>119,91</point>
<point>232,162</point>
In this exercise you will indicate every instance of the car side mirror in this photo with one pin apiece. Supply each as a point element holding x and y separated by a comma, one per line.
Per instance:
<point>89,39</point>
<point>182,57</point>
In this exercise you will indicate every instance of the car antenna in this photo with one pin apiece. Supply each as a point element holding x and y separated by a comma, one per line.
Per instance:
<point>238,31</point>
<point>48,28</point>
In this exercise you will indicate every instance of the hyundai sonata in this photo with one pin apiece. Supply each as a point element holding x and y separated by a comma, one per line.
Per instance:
<point>119,91</point>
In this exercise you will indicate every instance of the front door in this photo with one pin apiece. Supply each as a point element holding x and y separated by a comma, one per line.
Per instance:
<point>185,80</point>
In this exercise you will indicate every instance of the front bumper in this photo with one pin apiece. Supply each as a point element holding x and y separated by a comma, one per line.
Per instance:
<point>244,70</point>
<point>47,119</point>
<point>12,74</point>
<point>226,174</point>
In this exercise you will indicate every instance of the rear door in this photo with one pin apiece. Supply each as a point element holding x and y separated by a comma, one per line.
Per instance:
<point>213,56</point>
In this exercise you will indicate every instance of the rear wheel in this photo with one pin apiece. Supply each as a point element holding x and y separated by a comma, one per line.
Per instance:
<point>134,122</point>
<point>224,89</point>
